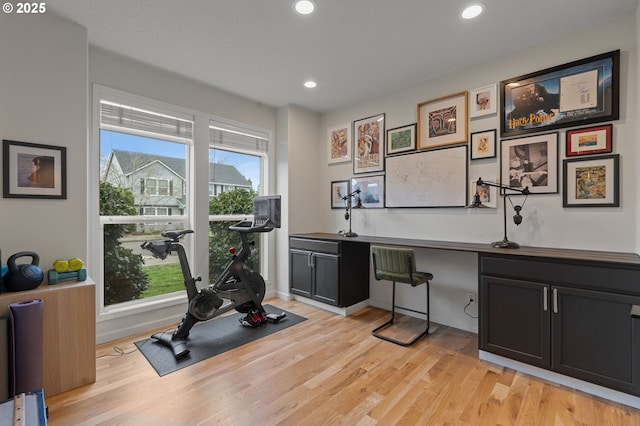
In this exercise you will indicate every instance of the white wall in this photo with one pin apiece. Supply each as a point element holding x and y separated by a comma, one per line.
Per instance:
<point>546,223</point>
<point>45,78</point>
<point>43,99</point>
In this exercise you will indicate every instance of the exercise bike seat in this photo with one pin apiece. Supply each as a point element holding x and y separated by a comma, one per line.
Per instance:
<point>176,235</point>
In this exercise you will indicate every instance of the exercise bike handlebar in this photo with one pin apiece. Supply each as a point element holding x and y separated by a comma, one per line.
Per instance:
<point>161,249</point>
<point>246,227</point>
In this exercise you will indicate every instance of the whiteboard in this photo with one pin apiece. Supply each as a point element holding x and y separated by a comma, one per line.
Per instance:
<point>436,178</point>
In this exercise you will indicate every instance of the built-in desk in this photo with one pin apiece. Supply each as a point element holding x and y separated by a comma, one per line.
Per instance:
<point>570,316</point>
<point>544,252</point>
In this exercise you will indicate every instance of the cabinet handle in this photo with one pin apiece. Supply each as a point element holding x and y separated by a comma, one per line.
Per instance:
<point>555,300</point>
<point>545,303</point>
<point>310,261</point>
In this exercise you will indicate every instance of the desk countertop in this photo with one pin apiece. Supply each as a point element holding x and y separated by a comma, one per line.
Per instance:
<point>547,252</point>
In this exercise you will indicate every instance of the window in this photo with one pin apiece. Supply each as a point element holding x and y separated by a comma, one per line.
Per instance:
<point>237,161</point>
<point>144,155</point>
<point>147,171</point>
<point>156,186</point>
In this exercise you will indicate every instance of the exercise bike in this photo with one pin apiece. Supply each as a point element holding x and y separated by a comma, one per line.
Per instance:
<point>238,287</point>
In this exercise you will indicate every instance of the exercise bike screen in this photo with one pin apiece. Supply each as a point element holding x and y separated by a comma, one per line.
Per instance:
<point>266,207</point>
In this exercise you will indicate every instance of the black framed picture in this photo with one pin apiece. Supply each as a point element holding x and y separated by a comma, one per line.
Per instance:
<point>574,94</point>
<point>532,162</point>
<point>340,189</point>
<point>33,170</point>
<point>592,182</point>
<point>483,144</point>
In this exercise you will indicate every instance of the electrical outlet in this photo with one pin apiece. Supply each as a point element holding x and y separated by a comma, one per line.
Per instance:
<point>471,298</point>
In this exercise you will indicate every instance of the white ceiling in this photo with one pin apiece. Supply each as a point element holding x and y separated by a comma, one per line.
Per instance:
<point>354,49</point>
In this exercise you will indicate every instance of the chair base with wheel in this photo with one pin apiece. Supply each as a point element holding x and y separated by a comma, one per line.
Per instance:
<point>398,265</point>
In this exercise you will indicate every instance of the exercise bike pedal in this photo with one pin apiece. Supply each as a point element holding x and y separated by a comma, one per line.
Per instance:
<point>275,318</point>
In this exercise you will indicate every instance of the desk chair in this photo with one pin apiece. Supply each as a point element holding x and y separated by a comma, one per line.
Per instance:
<point>399,265</point>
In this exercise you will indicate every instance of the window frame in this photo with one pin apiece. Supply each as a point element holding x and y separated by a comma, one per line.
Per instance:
<point>97,222</point>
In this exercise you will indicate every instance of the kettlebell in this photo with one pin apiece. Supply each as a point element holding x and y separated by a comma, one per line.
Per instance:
<point>23,277</point>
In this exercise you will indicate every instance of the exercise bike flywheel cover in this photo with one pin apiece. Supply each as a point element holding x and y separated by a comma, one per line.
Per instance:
<point>205,305</point>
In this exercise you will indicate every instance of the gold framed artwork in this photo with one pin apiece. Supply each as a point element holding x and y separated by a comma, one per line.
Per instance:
<point>443,121</point>
<point>339,143</point>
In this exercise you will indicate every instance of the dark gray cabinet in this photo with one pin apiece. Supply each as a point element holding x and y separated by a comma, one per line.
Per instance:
<point>571,317</point>
<point>515,320</point>
<point>332,272</point>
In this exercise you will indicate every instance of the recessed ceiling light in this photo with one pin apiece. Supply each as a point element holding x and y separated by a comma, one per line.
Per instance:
<point>304,7</point>
<point>310,84</point>
<point>472,11</point>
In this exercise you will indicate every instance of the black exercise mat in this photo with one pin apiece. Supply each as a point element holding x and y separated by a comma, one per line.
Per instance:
<point>212,337</point>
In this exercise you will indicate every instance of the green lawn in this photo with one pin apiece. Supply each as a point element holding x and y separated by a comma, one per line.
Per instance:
<point>163,279</point>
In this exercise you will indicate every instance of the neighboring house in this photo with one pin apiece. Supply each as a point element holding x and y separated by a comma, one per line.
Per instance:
<point>158,183</point>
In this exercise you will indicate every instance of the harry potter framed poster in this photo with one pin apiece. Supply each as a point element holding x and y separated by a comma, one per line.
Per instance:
<point>574,94</point>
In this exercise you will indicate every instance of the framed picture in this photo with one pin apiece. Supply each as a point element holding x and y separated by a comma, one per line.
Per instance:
<point>339,190</point>
<point>483,101</point>
<point>483,144</point>
<point>339,143</point>
<point>532,162</point>
<point>34,171</point>
<point>591,183</point>
<point>430,178</point>
<point>443,121</point>
<point>488,194</point>
<point>401,139</point>
<point>371,190</point>
<point>587,141</point>
<point>577,93</point>
<point>369,144</point>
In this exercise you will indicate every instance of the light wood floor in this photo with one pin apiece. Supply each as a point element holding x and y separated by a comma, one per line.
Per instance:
<point>328,370</point>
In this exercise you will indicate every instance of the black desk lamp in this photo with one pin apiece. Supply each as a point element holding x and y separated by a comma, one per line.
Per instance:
<point>349,206</point>
<point>517,218</point>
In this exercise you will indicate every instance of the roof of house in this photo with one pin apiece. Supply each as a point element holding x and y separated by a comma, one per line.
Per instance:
<point>131,161</point>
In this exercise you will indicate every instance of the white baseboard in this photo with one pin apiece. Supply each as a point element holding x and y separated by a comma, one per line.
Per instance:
<point>334,309</point>
<point>590,388</point>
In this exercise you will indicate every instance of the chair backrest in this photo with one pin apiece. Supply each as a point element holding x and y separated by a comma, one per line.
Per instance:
<point>393,261</point>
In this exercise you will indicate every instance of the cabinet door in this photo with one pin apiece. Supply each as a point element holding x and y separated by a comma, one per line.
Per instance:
<point>595,337</point>
<point>301,272</point>
<point>515,320</point>
<point>327,278</point>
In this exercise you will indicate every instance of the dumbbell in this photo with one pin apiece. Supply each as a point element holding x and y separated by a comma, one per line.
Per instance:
<point>63,265</point>
<point>54,276</point>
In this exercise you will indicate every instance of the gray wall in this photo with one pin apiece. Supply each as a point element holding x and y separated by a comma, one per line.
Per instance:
<point>546,223</point>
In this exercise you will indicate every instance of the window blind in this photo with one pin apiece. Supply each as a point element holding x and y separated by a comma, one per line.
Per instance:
<point>124,117</point>
<point>225,135</point>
